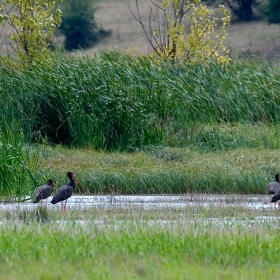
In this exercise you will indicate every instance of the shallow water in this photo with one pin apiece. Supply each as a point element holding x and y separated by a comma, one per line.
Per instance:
<point>149,202</point>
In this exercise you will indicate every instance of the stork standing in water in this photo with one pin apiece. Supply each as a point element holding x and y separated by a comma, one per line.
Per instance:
<point>43,192</point>
<point>274,188</point>
<point>275,198</point>
<point>65,191</point>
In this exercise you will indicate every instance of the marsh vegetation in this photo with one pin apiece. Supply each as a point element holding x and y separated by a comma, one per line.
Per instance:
<point>124,125</point>
<point>130,125</point>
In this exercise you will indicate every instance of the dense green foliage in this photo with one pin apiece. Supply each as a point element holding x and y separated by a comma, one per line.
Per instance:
<point>272,11</point>
<point>19,163</point>
<point>79,25</point>
<point>243,9</point>
<point>115,102</point>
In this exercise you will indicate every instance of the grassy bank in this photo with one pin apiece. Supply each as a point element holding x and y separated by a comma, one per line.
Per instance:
<point>162,170</point>
<point>154,170</point>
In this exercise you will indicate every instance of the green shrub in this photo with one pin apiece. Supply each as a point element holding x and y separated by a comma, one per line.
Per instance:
<point>272,11</point>
<point>79,26</point>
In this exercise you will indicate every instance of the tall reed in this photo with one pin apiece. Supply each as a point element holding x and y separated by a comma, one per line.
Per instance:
<point>19,164</point>
<point>117,102</point>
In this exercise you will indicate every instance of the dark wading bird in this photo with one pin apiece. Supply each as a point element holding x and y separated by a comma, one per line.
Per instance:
<point>275,198</point>
<point>274,188</point>
<point>65,191</point>
<point>44,191</point>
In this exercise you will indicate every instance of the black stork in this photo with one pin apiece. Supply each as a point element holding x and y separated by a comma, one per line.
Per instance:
<point>44,191</point>
<point>65,191</point>
<point>274,187</point>
<point>275,198</point>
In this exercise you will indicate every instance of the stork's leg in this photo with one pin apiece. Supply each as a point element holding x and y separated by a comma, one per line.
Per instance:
<point>272,205</point>
<point>63,205</point>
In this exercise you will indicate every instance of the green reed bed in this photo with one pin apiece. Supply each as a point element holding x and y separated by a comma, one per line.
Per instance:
<point>113,101</point>
<point>135,249</point>
<point>19,163</point>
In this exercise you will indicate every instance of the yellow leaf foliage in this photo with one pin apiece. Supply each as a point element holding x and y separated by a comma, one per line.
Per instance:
<point>196,36</point>
<point>33,24</point>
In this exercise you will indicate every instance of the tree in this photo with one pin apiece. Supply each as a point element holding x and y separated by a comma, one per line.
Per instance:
<point>243,9</point>
<point>272,11</point>
<point>33,23</point>
<point>173,35</point>
<point>79,26</point>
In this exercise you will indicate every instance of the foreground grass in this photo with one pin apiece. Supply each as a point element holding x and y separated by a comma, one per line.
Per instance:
<point>133,245</point>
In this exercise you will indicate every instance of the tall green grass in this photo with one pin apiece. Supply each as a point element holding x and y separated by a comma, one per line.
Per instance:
<point>116,102</point>
<point>19,163</point>
<point>163,170</point>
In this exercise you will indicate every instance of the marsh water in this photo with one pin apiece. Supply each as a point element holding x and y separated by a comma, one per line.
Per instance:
<point>149,202</point>
<point>243,210</point>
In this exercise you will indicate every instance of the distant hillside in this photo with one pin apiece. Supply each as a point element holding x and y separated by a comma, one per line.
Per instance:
<point>256,37</point>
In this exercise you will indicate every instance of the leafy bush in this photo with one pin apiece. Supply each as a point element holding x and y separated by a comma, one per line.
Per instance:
<point>79,26</point>
<point>32,24</point>
<point>185,31</point>
<point>272,11</point>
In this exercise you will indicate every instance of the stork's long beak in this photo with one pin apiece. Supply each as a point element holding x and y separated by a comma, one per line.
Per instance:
<point>73,176</point>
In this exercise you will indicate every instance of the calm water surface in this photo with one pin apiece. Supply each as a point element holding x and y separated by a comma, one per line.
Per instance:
<point>149,202</point>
